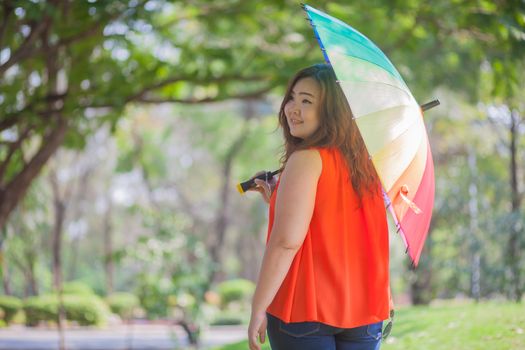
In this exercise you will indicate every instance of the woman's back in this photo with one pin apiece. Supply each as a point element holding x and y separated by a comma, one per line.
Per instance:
<point>340,274</point>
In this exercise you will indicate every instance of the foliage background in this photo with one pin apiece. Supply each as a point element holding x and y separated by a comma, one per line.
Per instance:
<point>136,119</point>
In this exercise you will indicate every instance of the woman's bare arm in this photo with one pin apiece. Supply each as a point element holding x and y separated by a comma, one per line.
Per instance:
<point>293,212</point>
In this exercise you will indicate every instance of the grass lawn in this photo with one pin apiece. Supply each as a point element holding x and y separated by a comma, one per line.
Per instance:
<point>458,326</point>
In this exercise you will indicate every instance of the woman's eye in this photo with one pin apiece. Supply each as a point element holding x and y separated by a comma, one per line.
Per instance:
<point>306,101</point>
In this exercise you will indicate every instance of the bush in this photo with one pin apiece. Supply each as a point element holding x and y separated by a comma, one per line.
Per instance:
<point>86,310</point>
<point>77,287</point>
<point>235,290</point>
<point>41,308</point>
<point>10,305</point>
<point>123,304</point>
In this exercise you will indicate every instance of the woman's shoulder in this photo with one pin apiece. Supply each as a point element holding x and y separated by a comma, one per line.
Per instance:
<point>319,154</point>
<point>308,159</point>
<point>307,154</point>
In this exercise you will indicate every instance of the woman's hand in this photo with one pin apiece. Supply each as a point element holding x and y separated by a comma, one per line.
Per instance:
<point>265,188</point>
<point>257,330</point>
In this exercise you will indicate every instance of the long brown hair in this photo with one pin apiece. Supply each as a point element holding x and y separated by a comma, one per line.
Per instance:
<point>337,128</point>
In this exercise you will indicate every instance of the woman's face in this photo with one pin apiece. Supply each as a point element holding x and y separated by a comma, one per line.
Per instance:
<point>301,110</point>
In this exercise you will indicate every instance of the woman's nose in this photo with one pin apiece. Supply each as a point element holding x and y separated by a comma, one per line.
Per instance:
<point>292,107</point>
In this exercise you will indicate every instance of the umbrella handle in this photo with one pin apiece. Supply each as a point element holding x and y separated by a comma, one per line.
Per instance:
<point>429,105</point>
<point>246,185</point>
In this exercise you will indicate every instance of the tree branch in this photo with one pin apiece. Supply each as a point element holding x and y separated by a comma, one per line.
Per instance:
<point>91,31</point>
<point>168,81</point>
<point>242,96</point>
<point>26,49</point>
<point>10,119</point>
<point>222,217</point>
<point>8,10</point>
<point>17,187</point>
<point>12,149</point>
<point>141,95</point>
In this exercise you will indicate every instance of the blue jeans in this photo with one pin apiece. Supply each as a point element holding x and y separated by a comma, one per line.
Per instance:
<point>319,336</point>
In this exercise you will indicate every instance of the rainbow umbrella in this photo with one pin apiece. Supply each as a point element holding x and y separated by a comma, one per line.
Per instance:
<point>390,121</point>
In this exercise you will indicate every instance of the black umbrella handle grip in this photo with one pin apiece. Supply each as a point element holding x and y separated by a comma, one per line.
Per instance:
<point>246,185</point>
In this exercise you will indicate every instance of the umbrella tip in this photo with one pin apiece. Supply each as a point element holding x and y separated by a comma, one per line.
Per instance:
<point>430,104</point>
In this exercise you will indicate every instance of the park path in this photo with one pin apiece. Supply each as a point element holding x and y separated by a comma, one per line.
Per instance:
<point>122,337</point>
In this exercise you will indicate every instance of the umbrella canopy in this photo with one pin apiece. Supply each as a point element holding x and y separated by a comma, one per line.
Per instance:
<point>390,122</point>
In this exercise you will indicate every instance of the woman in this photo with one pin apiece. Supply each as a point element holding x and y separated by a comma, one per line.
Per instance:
<point>324,280</point>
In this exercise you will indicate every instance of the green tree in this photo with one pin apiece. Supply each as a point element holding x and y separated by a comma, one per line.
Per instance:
<point>69,67</point>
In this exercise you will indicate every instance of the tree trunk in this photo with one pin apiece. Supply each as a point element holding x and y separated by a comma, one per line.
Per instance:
<point>57,243</point>
<point>75,212</point>
<point>15,190</point>
<point>60,213</point>
<point>221,222</point>
<point>108,247</point>
<point>32,282</point>
<point>421,292</point>
<point>420,287</point>
<point>5,267</point>
<point>5,278</point>
<point>513,247</point>
<point>11,193</point>
<point>73,259</point>
<point>475,257</point>
<point>30,276</point>
<point>250,251</point>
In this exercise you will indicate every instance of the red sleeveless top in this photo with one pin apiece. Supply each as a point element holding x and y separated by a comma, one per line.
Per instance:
<point>340,275</point>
